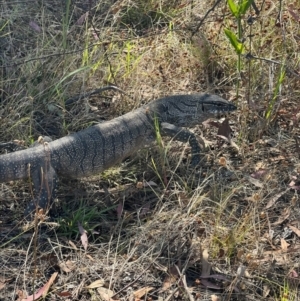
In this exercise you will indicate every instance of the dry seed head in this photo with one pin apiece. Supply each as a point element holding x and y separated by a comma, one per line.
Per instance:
<point>256,197</point>
<point>262,214</point>
<point>139,185</point>
<point>222,161</point>
<point>249,257</point>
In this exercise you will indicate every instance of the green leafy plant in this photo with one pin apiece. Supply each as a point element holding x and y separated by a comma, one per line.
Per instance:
<point>238,10</point>
<point>88,217</point>
<point>234,41</point>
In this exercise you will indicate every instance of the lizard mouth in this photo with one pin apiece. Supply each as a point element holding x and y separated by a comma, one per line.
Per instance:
<point>221,115</point>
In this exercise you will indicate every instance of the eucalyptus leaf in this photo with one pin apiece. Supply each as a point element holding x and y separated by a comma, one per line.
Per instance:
<point>238,46</point>
<point>233,8</point>
<point>244,6</point>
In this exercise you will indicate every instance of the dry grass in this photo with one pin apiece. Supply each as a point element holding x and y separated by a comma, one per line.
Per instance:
<point>240,206</point>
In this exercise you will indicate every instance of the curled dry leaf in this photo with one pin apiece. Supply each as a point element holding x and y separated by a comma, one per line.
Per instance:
<point>105,294</point>
<point>84,238</point>
<point>142,292</point>
<point>215,298</point>
<point>295,230</point>
<point>284,245</point>
<point>97,283</point>
<point>42,292</point>
<point>72,245</point>
<point>206,266</point>
<point>67,266</point>
<point>35,26</point>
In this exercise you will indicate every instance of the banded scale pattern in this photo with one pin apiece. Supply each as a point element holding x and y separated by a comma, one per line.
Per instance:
<point>103,145</point>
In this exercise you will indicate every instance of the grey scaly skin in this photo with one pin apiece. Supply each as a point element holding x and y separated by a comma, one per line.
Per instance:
<point>101,146</point>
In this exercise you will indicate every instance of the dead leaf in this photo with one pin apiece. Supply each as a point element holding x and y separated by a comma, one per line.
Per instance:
<point>84,238</point>
<point>225,130</point>
<point>283,217</point>
<point>255,182</point>
<point>21,295</point>
<point>284,245</point>
<point>295,230</point>
<point>67,266</point>
<point>97,283</point>
<point>142,292</point>
<point>168,282</point>
<point>42,292</point>
<point>2,283</point>
<point>81,20</point>
<point>293,274</point>
<point>64,294</point>
<point>275,198</point>
<point>34,26</point>
<point>90,257</point>
<point>206,266</point>
<point>120,210</point>
<point>294,15</point>
<point>293,185</point>
<point>105,293</point>
<point>259,173</point>
<point>266,291</point>
<point>49,283</point>
<point>149,184</point>
<point>171,278</point>
<point>72,245</point>
<point>215,298</point>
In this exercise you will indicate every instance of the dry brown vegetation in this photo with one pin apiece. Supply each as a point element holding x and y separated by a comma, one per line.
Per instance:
<point>155,228</point>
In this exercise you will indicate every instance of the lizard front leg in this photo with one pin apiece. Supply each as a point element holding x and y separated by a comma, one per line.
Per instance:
<point>183,135</point>
<point>44,180</point>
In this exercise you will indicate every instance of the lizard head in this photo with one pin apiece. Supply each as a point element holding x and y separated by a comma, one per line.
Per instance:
<point>189,110</point>
<point>214,105</point>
